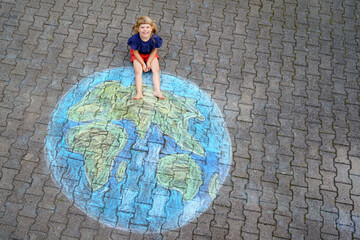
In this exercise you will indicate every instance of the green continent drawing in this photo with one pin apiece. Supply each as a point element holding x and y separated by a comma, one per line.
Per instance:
<point>120,173</point>
<point>99,143</point>
<point>111,101</point>
<point>214,186</point>
<point>180,172</point>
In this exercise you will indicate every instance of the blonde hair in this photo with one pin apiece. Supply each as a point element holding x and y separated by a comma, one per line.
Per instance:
<point>145,20</point>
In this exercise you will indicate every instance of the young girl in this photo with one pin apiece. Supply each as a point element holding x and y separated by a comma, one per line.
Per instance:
<point>144,44</point>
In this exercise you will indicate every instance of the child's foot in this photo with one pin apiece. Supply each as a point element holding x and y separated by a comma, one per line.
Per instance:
<point>138,96</point>
<point>159,95</point>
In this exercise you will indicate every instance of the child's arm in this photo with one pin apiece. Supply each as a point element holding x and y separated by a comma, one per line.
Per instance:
<point>140,60</point>
<point>151,57</point>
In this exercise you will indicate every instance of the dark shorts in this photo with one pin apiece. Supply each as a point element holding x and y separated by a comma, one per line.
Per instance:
<point>144,57</point>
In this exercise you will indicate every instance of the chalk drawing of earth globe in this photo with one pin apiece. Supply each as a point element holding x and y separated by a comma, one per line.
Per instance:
<point>142,165</point>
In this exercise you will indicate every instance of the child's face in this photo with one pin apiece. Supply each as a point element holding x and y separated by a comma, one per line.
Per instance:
<point>145,30</point>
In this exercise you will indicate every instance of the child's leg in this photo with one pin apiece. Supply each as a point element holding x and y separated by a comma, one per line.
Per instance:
<point>156,78</point>
<point>138,79</point>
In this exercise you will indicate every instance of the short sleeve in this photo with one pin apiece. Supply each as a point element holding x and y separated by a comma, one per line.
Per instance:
<point>158,41</point>
<point>134,43</point>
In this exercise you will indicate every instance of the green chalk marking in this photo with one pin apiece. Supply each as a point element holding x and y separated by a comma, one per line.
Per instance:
<point>112,101</point>
<point>99,143</point>
<point>120,173</point>
<point>214,186</point>
<point>180,172</point>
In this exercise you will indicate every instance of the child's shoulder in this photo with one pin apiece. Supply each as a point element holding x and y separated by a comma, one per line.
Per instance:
<point>156,37</point>
<point>157,41</point>
<point>134,39</point>
<point>135,36</point>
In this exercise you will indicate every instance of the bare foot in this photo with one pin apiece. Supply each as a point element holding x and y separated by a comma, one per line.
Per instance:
<point>159,95</point>
<point>138,96</point>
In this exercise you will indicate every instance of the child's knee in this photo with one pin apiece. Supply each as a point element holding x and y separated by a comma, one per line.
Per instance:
<point>138,71</point>
<point>155,70</point>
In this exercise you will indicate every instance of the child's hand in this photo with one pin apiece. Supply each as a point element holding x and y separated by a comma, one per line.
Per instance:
<point>148,65</point>
<point>144,67</point>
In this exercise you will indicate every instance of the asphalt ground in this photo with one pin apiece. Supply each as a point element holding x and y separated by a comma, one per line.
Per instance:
<point>284,74</point>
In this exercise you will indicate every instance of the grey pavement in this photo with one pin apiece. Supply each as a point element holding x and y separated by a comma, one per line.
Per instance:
<point>284,73</point>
